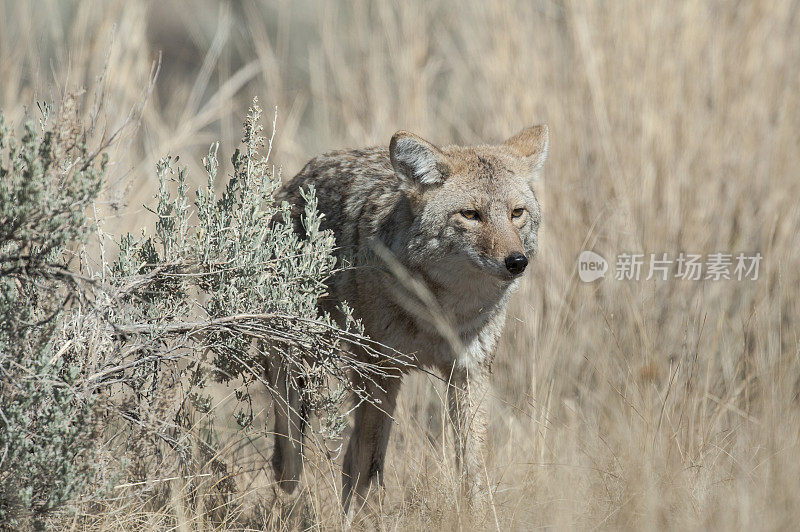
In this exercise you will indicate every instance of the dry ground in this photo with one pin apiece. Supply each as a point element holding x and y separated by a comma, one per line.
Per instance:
<point>674,126</point>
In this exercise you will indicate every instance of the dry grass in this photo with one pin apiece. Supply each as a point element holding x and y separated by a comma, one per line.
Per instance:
<point>650,404</point>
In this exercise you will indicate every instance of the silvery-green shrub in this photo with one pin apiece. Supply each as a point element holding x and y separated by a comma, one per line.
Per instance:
<point>47,180</point>
<point>103,368</point>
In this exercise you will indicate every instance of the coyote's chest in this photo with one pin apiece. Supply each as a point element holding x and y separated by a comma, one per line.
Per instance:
<point>458,327</point>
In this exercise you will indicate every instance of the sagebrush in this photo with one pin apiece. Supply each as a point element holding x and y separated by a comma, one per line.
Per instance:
<point>107,364</point>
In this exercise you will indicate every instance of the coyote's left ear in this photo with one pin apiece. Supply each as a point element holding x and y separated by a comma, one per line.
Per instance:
<point>531,143</point>
<point>417,160</point>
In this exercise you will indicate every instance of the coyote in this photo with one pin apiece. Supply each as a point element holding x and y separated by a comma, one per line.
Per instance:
<point>437,239</point>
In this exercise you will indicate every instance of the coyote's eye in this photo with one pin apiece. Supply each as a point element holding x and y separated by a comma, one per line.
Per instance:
<point>470,214</point>
<point>516,213</point>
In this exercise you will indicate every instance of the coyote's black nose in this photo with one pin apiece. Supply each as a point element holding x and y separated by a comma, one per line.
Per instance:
<point>516,262</point>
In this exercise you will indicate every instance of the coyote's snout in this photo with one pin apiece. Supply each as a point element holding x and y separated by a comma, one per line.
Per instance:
<point>516,263</point>
<point>460,222</point>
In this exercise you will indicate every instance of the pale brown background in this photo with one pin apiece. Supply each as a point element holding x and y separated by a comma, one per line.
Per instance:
<point>674,127</point>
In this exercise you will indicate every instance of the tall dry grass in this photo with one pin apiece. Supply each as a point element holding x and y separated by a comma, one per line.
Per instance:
<point>674,126</point>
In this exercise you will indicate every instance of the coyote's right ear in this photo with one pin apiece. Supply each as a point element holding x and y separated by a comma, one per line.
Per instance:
<point>418,160</point>
<point>531,143</point>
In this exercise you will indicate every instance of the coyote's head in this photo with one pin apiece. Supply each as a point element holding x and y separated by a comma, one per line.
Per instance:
<point>472,206</point>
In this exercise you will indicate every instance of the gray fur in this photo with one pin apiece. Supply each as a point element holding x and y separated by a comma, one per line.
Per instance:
<point>425,279</point>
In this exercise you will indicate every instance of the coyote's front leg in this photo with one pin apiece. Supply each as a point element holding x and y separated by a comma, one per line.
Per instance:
<point>466,397</point>
<point>366,450</point>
